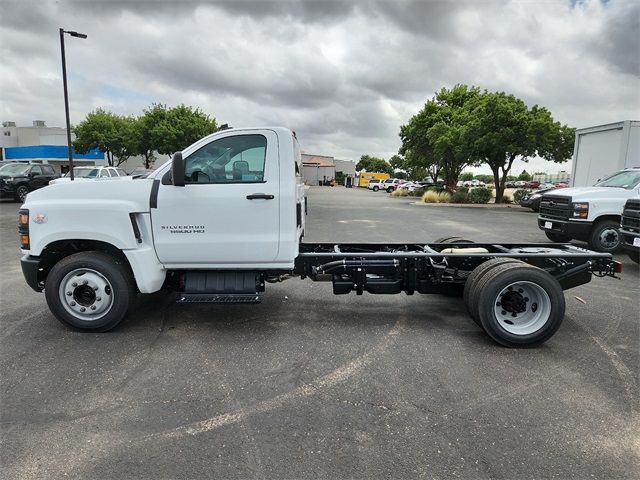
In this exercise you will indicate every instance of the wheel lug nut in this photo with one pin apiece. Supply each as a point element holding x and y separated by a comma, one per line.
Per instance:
<point>498,304</point>
<point>503,312</point>
<point>99,299</point>
<point>82,309</point>
<point>93,307</point>
<point>73,304</point>
<point>95,288</point>
<point>74,284</point>
<point>69,294</point>
<point>85,282</point>
<point>514,314</point>
<point>520,290</point>
<point>526,299</point>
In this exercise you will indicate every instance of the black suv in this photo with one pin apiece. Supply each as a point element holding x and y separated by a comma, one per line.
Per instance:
<point>18,179</point>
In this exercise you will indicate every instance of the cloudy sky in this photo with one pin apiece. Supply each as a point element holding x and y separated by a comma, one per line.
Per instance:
<point>344,75</point>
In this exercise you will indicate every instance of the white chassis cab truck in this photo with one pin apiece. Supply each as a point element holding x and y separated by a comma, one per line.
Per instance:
<point>227,215</point>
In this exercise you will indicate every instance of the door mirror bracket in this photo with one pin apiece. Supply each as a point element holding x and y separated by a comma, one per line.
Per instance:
<point>177,169</point>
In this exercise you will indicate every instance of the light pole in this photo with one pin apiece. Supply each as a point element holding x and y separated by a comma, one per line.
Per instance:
<point>66,94</point>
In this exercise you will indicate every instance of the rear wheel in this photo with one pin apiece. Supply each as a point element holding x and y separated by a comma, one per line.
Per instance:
<point>605,236</point>
<point>557,237</point>
<point>520,305</point>
<point>90,291</point>
<point>390,189</point>
<point>634,255</point>
<point>471,293</point>
<point>376,188</point>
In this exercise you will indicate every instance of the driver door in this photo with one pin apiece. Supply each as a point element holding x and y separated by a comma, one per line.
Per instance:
<point>228,211</point>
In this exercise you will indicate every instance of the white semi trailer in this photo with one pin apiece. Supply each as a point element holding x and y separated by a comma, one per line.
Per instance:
<point>604,149</point>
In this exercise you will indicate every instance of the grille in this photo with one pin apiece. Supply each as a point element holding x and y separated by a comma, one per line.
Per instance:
<point>631,216</point>
<point>555,207</point>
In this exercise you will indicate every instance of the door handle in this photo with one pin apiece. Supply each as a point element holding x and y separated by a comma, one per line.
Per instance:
<point>263,196</point>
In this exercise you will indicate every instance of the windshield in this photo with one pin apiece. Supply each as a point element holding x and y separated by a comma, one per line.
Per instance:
<point>84,172</point>
<point>626,179</point>
<point>16,169</point>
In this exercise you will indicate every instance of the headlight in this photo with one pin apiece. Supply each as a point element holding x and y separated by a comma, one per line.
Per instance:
<point>580,210</point>
<point>535,195</point>
<point>9,179</point>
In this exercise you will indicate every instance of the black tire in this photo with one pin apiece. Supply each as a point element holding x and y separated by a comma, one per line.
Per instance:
<point>390,189</point>
<point>550,310</point>
<point>21,193</point>
<point>557,237</point>
<point>121,292</point>
<point>634,255</point>
<point>453,240</point>
<point>471,294</point>
<point>605,236</point>
<point>375,189</point>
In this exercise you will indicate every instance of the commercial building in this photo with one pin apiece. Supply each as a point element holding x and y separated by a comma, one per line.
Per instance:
<point>322,169</point>
<point>41,144</point>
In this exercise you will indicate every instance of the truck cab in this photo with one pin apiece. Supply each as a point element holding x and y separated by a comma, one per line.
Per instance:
<point>591,214</point>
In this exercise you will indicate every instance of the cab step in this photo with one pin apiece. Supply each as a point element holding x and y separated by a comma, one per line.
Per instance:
<point>219,298</point>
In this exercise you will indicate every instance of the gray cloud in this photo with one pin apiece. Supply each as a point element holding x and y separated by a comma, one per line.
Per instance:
<point>344,75</point>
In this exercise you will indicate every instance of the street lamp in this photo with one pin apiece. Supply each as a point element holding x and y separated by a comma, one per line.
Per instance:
<point>66,95</point>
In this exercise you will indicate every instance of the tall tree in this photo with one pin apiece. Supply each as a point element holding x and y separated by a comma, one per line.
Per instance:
<point>369,163</point>
<point>169,130</point>
<point>111,133</point>
<point>435,135</point>
<point>524,176</point>
<point>502,128</point>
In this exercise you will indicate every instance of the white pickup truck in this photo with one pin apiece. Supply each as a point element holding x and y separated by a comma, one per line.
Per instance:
<point>227,215</point>
<point>591,214</point>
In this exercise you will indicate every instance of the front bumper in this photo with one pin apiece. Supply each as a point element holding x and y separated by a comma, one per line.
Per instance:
<point>7,190</point>
<point>574,230</point>
<point>630,240</point>
<point>30,266</point>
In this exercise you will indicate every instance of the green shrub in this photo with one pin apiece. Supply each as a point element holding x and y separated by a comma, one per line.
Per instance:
<point>461,196</point>
<point>480,195</point>
<point>520,194</point>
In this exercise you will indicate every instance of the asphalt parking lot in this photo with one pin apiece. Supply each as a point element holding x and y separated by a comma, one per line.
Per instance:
<point>308,384</point>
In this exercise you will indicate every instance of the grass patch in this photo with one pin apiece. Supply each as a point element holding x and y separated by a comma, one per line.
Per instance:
<point>430,197</point>
<point>400,193</point>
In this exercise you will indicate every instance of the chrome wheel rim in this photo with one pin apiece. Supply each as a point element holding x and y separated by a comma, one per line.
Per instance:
<point>609,238</point>
<point>522,308</point>
<point>86,294</point>
<point>22,193</point>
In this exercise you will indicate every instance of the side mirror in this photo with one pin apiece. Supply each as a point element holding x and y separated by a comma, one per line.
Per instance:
<point>177,169</point>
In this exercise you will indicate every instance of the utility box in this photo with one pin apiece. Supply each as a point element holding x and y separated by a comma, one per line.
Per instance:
<point>602,150</point>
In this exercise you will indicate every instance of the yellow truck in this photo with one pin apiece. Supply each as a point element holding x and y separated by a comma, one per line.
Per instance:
<point>364,177</point>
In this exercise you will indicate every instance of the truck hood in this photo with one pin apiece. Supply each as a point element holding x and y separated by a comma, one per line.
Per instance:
<point>593,193</point>
<point>101,194</point>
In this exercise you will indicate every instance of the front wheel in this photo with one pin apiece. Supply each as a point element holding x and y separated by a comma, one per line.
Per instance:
<point>520,305</point>
<point>605,236</point>
<point>557,237</point>
<point>375,189</point>
<point>90,291</point>
<point>21,193</point>
<point>634,255</point>
<point>390,189</point>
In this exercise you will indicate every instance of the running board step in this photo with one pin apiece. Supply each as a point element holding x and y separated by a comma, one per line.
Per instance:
<point>219,298</point>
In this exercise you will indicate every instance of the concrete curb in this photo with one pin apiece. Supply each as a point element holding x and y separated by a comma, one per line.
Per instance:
<point>468,205</point>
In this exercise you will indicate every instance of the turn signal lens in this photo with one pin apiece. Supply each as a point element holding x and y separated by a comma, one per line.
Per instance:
<point>24,240</point>
<point>23,219</point>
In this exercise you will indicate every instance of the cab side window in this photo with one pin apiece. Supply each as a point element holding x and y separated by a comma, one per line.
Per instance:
<point>36,170</point>
<point>48,170</point>
<point>236,159</point>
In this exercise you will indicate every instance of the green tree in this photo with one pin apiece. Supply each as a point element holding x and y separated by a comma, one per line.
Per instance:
<point>524,176</point>
<point>435,136</point>
<point>466,176</point>
<point>169,130</point>
<point>501,128</point>
<point>488,179</point>
<point>111,133</point>
<point>369,163</point>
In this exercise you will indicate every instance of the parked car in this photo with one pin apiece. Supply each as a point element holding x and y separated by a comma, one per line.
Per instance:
<point>92,173</point>
<point>532,200</point>
<point>375,184</point>
<point>391,184</point>
<point>532,184</point>
<point>473,183</point>
<point>562,185</point>
<point>546,185</point>
<point>411,186</point>
<point>18,179</point>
